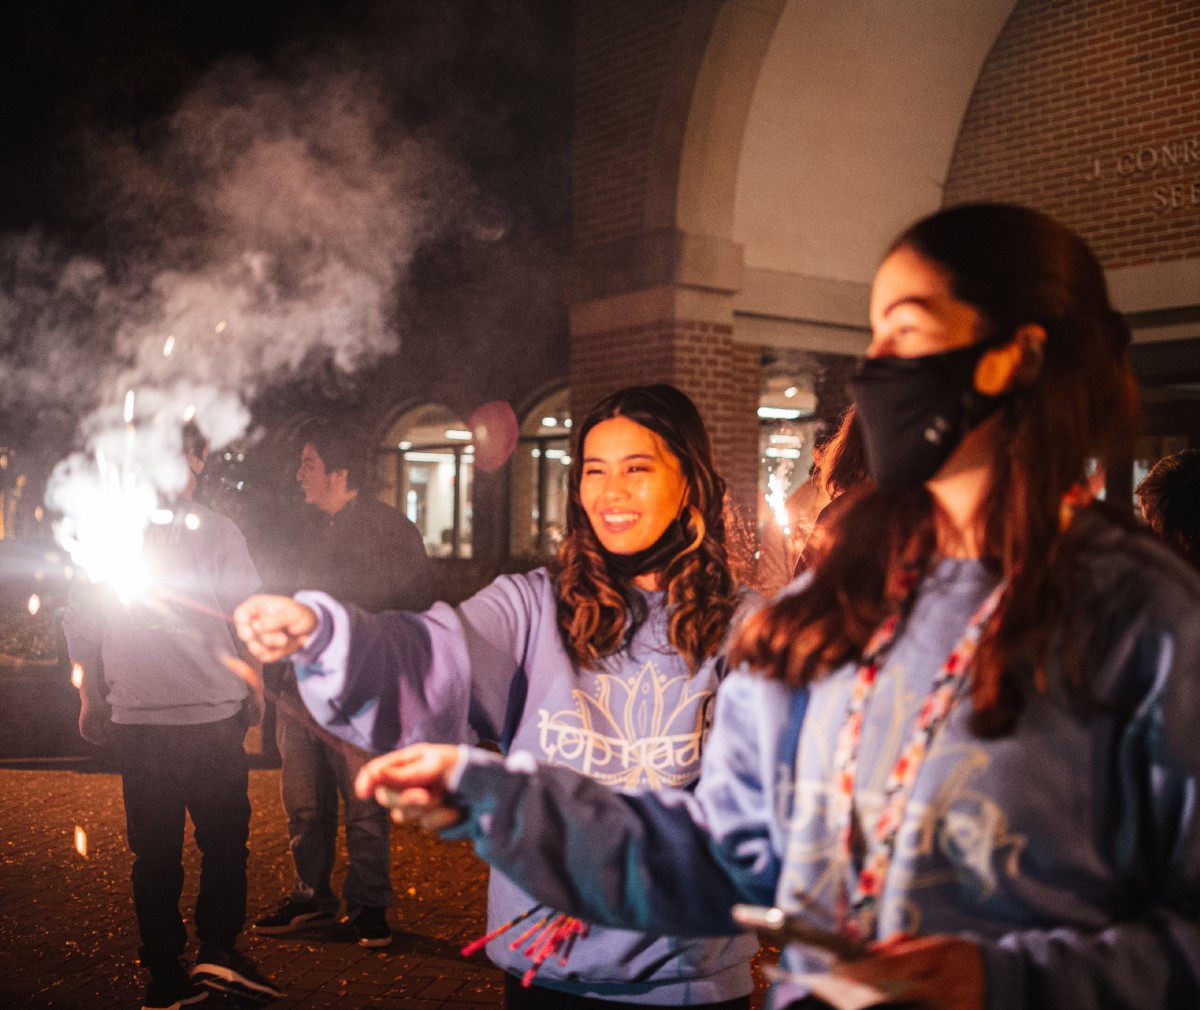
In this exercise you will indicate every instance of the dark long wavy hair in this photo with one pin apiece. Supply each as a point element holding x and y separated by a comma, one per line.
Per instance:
<point>598,611</point>
<point>1016,267</point>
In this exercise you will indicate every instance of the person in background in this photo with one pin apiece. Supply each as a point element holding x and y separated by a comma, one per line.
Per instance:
<point>992,794</point>
<point>783,543</point>
<point>843,467</point>
<point>1169,497</point>
<point>606,663</point>
<point>369,553</point>
<point>156,686</point>
<point>839,464</point>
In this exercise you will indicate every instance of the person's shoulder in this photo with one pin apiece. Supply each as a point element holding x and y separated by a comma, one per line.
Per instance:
<point>535,586</point>
<point>380,514</point>
<point>516,599</point>
<point>747,601</point>
<point>209,520</point>
<point>1125,565</point>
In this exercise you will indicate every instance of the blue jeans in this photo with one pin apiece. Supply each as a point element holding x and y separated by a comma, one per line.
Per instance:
<point>165,771</point>
<point>312,774</point>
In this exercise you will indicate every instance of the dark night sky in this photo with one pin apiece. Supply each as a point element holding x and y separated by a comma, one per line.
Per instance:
<point>491,77</point>
<point>137,146</point>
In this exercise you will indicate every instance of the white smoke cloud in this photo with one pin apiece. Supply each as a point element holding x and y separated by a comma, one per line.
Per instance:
<point>263,234</point>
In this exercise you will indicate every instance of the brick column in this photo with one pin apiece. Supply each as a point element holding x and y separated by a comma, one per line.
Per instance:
<point>651,291</point>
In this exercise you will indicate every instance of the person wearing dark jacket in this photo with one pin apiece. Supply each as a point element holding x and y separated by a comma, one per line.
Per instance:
<point>365,551</point>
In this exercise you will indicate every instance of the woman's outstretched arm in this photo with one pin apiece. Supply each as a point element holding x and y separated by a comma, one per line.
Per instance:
<point>671,861</point>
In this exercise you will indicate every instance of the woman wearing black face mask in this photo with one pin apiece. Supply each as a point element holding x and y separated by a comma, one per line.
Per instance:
<point>994,787</point>
<point>1003,672</point>
<point>606,663</point>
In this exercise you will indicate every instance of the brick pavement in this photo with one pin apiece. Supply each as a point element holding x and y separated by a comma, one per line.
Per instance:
<point>68,938</point>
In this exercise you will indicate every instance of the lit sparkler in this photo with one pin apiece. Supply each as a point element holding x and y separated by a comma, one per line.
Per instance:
<point>35,603</point>
<point>110,495</point>
<point>105,538</point>
<point>81,841</point>
<point>77,675</point>
<point>777,489</point>
<point>169,346</point>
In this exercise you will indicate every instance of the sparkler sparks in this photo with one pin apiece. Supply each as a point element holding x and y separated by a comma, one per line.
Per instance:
<point>77,675</point>
<point>777,485</point>
<point>35,603</point>
<point>81,841</point>
<point>105,538</point>
<point>133,470</point>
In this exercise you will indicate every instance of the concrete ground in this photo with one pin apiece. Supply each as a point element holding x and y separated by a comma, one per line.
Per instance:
<point>68,937</point>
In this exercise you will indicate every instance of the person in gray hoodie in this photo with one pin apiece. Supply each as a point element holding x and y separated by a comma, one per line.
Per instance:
<point>155,686</point>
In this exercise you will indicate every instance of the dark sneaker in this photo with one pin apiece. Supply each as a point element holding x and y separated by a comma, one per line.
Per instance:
<point>372,927</point>
<point>228,971</point>
<point>172,990</point>
<point>291,916</point>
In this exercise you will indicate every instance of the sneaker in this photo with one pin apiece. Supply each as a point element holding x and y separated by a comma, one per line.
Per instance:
<point>291,916</point>
<point>228,971</point>
<point>171,990</point>
<point>372,927</point>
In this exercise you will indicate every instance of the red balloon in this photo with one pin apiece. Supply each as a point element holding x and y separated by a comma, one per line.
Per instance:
<point>494,430</point>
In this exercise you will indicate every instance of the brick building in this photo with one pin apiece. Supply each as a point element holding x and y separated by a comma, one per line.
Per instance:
<point>738,167</point>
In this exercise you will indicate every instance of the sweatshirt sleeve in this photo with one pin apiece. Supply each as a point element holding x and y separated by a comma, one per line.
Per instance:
<point>449,675</point>
<point>670,861</point>
<point>1149,957</point>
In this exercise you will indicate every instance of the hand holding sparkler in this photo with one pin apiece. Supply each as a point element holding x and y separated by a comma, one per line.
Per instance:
<point>273,627</point>
<point>414,784</point>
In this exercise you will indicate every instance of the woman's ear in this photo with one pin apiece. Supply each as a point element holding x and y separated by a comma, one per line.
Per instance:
<point>1014,365</point>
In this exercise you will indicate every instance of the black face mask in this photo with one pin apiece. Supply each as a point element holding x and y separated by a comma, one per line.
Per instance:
<point>650,559</point>
<point>914,412</point>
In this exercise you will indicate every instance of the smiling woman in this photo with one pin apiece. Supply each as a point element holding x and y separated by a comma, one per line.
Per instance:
<point>606,662</point>
<point>632,488</point>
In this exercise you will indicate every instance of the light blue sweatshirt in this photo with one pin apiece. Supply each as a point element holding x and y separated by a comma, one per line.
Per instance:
<point>495,668</point>
<point>1068,851</point>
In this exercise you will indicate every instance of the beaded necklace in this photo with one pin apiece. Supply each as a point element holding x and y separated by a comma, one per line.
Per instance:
<point>858,911</point>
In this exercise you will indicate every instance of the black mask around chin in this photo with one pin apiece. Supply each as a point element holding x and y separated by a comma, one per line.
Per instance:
<point>914,412</point>
<point>650,559</point>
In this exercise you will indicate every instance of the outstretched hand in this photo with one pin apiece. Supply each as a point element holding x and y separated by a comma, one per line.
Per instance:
<point>934,972</point>
<point>413,784</point>
<point>273,627</point>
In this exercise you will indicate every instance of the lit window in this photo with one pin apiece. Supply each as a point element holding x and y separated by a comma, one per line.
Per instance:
<point>539,479</point>
<point>426,469</point>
